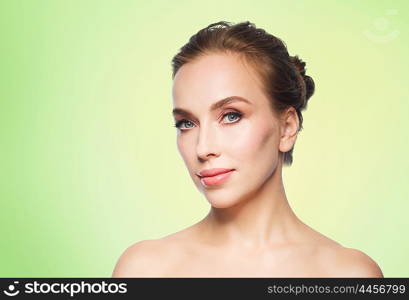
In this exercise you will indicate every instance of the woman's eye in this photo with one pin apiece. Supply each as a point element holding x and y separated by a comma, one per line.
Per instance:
<point>181,122</point>
<point>232,116</point>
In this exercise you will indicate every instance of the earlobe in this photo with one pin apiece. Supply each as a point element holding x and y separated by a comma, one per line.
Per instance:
<point>287,142</point>
<point>289,130</point>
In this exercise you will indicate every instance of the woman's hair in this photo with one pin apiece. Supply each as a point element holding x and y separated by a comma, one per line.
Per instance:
<point>283,76</point>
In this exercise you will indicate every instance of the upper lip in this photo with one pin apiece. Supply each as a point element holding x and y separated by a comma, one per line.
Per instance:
<point>213,172</point>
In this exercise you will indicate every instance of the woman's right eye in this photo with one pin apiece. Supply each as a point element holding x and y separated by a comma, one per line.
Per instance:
<point>181,122</point>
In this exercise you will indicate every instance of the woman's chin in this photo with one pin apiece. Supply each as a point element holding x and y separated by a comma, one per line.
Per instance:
<point>222,203</point>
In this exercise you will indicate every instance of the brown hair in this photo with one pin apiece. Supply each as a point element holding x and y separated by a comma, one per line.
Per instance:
<point>283,76</point>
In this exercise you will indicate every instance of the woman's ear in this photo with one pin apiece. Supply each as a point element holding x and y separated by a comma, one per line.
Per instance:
<point>288,129</point>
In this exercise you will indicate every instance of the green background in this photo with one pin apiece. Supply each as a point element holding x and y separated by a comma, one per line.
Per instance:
<point>89,163</point>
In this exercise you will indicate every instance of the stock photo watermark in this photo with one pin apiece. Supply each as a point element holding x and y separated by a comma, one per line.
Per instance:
<point>383,30</point>
<point>70,289</point>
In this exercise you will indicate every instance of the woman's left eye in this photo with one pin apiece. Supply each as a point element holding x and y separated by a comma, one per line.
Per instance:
<point>232,116</point>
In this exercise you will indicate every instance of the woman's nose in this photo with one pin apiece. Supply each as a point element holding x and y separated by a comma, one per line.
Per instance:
<point>207,145</point>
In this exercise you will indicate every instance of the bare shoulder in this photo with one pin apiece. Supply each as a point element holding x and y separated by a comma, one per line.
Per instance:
<point>142,259</point>
<point>154,257</point>
<point>359,264</point>
<point>339,261</point>
<point>349,262</point>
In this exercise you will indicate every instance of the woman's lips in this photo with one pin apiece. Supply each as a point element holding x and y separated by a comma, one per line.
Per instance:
<point>216,179</point>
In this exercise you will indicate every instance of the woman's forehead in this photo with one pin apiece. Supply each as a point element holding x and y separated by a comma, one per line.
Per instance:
<point>214,76</point>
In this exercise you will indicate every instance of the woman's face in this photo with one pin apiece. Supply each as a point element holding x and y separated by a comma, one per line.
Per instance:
<point>242,134</point>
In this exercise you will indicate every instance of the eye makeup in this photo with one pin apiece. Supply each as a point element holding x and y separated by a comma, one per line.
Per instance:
<point>234,113</point>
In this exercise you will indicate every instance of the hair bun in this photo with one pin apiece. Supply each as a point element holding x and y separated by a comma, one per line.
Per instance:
<point>309,82</point>
<point>299,64</point>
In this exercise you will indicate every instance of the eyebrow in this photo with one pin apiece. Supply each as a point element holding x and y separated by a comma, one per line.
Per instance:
<point>215,106</point>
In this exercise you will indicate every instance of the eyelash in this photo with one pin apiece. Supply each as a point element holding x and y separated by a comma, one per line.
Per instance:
<point>235,113</point>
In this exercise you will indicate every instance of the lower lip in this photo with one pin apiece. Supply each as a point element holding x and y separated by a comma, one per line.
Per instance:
<point>215,180</point>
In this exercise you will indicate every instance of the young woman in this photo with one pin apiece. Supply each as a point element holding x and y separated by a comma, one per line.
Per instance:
<point>238,98</point>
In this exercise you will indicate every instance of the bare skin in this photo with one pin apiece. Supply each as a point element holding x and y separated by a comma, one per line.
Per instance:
<point>250,230</point>
<point>197,251</point>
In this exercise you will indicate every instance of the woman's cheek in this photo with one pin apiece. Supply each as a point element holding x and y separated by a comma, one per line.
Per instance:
<point>183,147</point>
<point>248,139</point>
